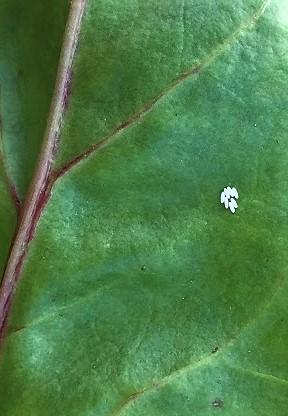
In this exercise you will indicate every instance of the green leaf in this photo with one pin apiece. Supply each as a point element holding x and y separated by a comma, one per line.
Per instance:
<point>30,34</point>
<point>138,294</point>
<point>8,215</point>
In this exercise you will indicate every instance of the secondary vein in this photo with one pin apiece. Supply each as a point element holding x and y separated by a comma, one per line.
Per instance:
<point>148,107</point>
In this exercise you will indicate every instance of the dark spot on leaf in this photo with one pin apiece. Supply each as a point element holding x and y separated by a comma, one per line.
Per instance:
<point>18,328</point>
<point>218,403</point>
<point>215,349</point>
<point>131,398</point>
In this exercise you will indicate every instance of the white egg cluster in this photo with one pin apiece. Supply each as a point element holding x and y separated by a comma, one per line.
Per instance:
<point>228,198</point>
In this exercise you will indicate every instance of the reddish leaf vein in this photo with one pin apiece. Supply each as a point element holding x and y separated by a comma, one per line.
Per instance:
<point>39,191</point>
<point>44,178</point>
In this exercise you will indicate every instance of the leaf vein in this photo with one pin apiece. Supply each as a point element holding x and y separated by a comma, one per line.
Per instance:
<point>148,107</point>
<point>265,376</point>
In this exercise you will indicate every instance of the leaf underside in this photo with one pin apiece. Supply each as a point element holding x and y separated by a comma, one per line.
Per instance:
<point>140,295</point>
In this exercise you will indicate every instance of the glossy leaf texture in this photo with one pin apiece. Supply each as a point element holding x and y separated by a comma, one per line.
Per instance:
<point>140,294</point>
<point>30,41</point>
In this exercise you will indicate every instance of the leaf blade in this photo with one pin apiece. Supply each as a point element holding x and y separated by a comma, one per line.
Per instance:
<point>132,288</point>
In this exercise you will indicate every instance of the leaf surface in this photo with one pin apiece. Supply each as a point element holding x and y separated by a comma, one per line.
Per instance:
<point>31,36</point>
<point>140,294</point>
<point>8,211</point>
